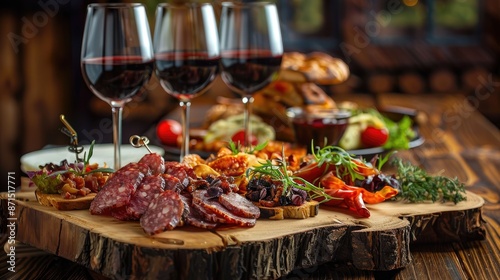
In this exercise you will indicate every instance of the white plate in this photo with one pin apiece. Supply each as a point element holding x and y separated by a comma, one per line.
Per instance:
<point>102,154</point>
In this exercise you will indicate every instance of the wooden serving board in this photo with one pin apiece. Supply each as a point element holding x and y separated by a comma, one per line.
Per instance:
<point>271,249</point>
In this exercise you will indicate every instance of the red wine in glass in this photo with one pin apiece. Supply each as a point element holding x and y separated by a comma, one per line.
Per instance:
<point>249,70</point>
<point>117,57</point>
<point>185,75</point>
<point>186,45</point>
<point>117,77</point>
<point>251,50</point>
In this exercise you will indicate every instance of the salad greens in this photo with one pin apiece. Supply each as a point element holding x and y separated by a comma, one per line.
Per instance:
<point>51,176</point>
<point>400,133</point>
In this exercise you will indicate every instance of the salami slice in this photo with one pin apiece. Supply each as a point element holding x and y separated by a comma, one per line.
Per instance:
<point>116,192</point>
<point>221,211</point>
<point>239,205</point>
<point>143,168</point>
<point>196,219</point>
<point>207,214</point>
<point>179,170</point>
<point>155,162</point>
<point>120,213</point>
<point>149,188</point>
<point>172,183</point>
<point>164,213</point>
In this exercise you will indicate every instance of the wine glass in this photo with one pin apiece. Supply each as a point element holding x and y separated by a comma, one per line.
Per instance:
<point>117,58</point>
<point>251,50</point>
<point>186,45</point>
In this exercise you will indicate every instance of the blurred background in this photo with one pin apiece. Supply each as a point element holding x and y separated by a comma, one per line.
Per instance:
<point>421,47</point>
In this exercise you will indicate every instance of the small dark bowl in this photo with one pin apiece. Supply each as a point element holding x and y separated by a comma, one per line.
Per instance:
<point>324,127</point>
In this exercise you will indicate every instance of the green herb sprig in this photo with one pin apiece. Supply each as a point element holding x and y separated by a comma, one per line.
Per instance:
<point>277,170</point>
<point>335,155</point>
<point>237,148</point>
<point>418,186</point>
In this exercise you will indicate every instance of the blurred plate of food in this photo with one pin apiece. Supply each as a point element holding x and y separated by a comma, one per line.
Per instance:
<point>103,154</point>
<point>370,131</point>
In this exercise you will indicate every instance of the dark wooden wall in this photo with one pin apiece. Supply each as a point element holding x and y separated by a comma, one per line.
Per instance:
<point>40,79</point>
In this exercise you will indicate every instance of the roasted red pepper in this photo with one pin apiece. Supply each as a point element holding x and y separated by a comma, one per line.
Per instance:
<point>354,197</point>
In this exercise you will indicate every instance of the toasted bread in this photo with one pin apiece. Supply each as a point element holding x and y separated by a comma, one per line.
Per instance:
<point>60,203</point>
<point>304,211</point>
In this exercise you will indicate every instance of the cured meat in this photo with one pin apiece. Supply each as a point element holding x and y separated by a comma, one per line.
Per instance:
<point>149,188</point>
<point>196,219</point>
<point>194,184</point>
<point>207,214</point>
<point>164,213</point>
<point>155,162</point>
<point>120,213</point>
<point>172,183</point>
<point>239,205</point>
<point>214,206</point>
<point>180,171</point>
<point>116,192</point>
<point>186,200</point>
<point>143,168</point>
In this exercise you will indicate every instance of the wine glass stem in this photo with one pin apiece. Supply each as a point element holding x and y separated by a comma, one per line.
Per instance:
<point>117,133</point>
<point>247,102</point>
<point>185,105</point>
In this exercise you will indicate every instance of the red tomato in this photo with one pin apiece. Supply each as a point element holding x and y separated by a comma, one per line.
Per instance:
<point>374,137</point>
<point>240,137</point>
<point>168,131</point>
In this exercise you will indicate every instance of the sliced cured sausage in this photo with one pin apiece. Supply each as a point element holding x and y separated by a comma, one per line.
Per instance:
<point>164,213</point>
<point>172,183</point>
<point>179,170</point>
<point>155,162</point>
<point>213,205</point>
<point>149,188</point>
<point>120,213</point>
<point>143,168</point>
<point>196,219</point>
<point>239,205</point>
<point>116,192</point>
<point>207,214</point>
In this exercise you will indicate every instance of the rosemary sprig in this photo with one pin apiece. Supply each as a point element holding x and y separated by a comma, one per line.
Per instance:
<point>417,185</point>
<point>277,170</point>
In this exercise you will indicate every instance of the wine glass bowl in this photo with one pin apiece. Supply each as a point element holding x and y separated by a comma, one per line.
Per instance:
<point>186,46</point>
<point>117,57</point>
<point>251,50</point>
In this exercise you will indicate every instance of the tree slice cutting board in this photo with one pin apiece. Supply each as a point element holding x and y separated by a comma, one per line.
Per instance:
<point>271,249</point>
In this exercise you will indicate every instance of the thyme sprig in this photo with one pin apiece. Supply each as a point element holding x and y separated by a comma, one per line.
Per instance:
<point>277,170</point>
<point>418,186</point>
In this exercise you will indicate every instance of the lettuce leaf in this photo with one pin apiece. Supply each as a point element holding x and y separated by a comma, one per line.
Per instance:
<point>47,183</point>
<point>400,133</point>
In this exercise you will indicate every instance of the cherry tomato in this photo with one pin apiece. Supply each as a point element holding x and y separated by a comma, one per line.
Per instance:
<point>168,131</point>
<point>240,137</point>
<point>374,137</point>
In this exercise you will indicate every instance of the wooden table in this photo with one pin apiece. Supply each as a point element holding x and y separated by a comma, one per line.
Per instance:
<point>459,142</point>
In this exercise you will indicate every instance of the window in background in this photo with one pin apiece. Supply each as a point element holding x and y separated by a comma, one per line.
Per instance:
<point>454,21</point>
<point>448,22</point>
<point>309,25</point>
<point>397,21</point>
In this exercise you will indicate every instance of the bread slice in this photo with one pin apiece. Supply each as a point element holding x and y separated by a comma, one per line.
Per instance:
<point>60,203</point>
<point>304,211</point>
